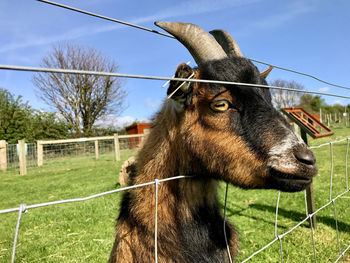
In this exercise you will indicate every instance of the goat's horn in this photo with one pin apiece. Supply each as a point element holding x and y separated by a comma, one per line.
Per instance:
<point>199,43</point>
<point>266,72</point>
<point>227,42</point>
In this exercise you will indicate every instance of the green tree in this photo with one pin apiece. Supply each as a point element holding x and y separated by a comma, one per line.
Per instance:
<point>316,103</point>
<point>46,125</point>
<point>338,108</point>
<point>19,121</point>
<point>14,117</point>
<point>328,109</point>
<point>311,104</point>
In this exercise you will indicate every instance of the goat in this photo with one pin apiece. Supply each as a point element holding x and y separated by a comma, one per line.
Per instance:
<point>214,132</point>
<point>127,168</point>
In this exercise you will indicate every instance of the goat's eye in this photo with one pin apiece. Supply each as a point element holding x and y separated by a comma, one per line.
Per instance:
<point>221,105</point>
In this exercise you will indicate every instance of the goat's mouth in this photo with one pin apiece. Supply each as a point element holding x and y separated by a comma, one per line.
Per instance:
<point>289,182</point>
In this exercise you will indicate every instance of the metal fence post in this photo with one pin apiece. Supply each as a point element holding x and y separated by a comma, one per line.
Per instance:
<point>116,147</point>
<point>310,189</point>
<point>3,156</point>
<point>22,158</point>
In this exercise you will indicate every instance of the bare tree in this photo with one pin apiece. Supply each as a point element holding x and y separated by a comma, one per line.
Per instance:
<point>80,99</point>
<point>283,98</point>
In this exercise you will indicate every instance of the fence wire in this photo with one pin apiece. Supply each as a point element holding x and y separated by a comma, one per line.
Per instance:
<point>12,155</point>
<point>56,150</point>
<point>309,216</point>
<point>63,150</point>
<point>76,149</point>
<point>278,237</point>
<point>135,76</point>
<point>170,36</point>
<point>311,226</point>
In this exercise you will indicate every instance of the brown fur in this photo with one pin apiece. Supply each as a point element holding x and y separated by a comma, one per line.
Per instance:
<point>128,167</point>
<point>185,195</point>
<point>189,138</point>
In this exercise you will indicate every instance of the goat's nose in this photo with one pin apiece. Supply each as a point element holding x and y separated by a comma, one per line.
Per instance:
<point>305,156</point>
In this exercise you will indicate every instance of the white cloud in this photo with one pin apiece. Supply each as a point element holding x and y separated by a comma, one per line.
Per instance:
<point>324,89</point>
<point>153,104</point>
<point>124,121</point>
<point>338,102</point>
<point>117,122</point>
<point>111,120</point>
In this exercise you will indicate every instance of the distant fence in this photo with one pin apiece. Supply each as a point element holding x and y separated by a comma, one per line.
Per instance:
<point>26,155</point>
<point>335,119</point>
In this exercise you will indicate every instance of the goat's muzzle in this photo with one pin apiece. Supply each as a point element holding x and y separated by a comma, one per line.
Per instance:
<point>294,171</point>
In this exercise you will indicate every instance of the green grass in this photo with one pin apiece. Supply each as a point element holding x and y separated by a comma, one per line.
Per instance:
<point>76,232</point>
<point>84,231</point>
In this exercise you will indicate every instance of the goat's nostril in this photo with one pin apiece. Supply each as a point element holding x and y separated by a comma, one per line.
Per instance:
<point>305,157</point>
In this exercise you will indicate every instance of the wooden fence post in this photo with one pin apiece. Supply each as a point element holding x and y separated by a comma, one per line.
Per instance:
<point>96,149</point>
<point>40,152</point>
<point>309,190</point>
<point>328,121</point>
<point>3,156</point>
<point>116,147</point>
<point>22,158</point>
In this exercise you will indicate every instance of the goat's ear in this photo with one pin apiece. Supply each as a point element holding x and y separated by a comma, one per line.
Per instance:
<point>182,90</point>
<point>266,72</point>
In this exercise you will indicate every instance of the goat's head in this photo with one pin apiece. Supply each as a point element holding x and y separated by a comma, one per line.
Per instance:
<point>233,132</point>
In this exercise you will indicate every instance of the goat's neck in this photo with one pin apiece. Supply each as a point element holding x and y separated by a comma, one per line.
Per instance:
<point>162,157</point>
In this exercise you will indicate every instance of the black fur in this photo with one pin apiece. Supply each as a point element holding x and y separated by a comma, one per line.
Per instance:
<point>255,108</point>
<point>183,71</point>
<point>203,239</point>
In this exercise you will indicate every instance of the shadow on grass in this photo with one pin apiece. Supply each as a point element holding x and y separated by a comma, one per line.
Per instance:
<point>297,217</point>
<point>241,212</point>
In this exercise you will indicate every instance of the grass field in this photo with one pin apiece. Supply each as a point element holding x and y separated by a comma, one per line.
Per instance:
<point>84,231</point>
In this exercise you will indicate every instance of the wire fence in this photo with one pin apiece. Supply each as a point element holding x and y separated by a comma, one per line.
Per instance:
<point>65,149</point>
<point>12,154</point>
<point>130,143</point>
<point>336,120</point>
<point>342,248</point>
<point>75,149</point>
<point>136,76</point>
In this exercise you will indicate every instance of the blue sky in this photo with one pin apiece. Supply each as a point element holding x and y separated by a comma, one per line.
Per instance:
<point>311,36</point>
